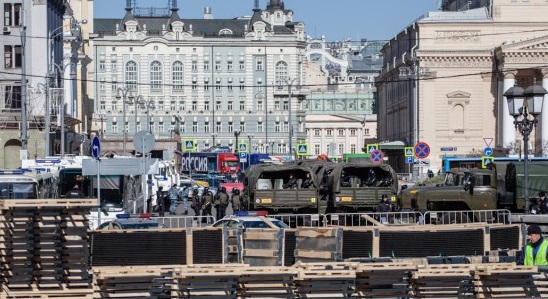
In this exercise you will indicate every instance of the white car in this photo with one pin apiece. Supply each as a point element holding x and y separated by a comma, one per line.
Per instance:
<point>235,221</point>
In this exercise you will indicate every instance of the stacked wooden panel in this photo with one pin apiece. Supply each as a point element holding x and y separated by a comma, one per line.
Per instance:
<point>541,282</point>
<point>135,282</point>
<point>318,245</point>
<point>325,280</point>
<point>383,280</point>
<point>506,281</point>
<point>267,282</point>
<point>443,281</point>
<point>263,247</point>
<point>208,281</point>
<point>38,247</point>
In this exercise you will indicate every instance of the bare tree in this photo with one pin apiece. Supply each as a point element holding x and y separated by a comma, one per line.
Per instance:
<point>475,153</point>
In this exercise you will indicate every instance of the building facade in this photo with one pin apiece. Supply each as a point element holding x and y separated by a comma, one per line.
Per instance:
<point>36,86</point>
<point>340,114</point>
<point>207,79</point>
<point>444,77</point>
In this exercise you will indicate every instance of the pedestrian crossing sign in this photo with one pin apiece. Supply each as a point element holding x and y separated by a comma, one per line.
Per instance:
<point>372,147</point>
<point>486,160</point>
<point>189,145</point>
<point>242,147</point>
<point>302,149</point>
<point>409,151</point>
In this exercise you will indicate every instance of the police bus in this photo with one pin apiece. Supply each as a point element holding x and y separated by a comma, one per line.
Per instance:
<point>27,184</point>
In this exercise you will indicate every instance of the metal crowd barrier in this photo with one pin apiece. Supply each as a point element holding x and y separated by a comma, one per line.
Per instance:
<point>185,221</point>
<point>372,219</point>
<point>300,220</point>
<point>452,217</point>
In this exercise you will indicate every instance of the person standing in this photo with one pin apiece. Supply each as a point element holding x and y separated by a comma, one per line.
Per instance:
<point>196,201</point>
<point>236,200</point>
<point>183,194</point>
<point>160,201</point>
<point>535,252</point>
<point>543,204</point>
<point>75,192</point>
<point>221,202</point>
<point>173,195</point>
<point>207,202</point>
<point>534,207</point>
<point>384,207</point>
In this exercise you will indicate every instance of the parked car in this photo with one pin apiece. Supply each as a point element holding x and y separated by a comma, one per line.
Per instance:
<point>128,221</point>
<point>245,220</point>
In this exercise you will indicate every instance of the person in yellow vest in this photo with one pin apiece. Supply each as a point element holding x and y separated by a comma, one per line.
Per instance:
<point>534,253</point>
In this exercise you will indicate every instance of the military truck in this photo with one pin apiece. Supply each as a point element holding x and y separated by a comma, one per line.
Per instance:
<point>501,186</point>
<point>263,186</point>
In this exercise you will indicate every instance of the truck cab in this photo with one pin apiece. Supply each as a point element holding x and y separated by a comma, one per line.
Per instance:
<point>463,189</point>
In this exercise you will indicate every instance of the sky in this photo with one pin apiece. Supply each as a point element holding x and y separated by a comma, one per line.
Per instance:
<point>337,20</point>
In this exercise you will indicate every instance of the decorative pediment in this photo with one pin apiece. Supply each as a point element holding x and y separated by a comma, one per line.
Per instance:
<point>529,44</point>
<point>458,95</point>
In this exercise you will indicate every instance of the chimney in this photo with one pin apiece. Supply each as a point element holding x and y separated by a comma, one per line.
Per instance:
<point>207,13</point>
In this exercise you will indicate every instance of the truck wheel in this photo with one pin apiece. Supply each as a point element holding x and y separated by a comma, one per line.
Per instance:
<point>454,218</point>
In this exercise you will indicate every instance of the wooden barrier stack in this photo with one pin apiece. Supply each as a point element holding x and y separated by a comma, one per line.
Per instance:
<point>267,282</point>
<point>383,280</point>
<point>321,280</point>
<point>44,248</point>
<point>318,244</point>
<point>443,281</point>
<point>506,281</point>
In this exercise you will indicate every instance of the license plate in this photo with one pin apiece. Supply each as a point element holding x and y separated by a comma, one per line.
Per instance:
<point>266,200</point>
<point>346,198</point>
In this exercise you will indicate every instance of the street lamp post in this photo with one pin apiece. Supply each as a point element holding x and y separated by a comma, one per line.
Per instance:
<point>124,94</point>
<point>289,83</point>
<point>525,103</point>
<point>149,105</point>
<point>213,135</point>
<point>249,136</point>
<point>237,147</point>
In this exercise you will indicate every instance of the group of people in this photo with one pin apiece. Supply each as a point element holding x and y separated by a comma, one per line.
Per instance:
<point>293,182</point>
<point>539,206</point>
<point>201,202</point>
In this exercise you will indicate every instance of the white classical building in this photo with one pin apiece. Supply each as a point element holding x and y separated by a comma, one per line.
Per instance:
<point>462,59</point>
<point>210,80</point>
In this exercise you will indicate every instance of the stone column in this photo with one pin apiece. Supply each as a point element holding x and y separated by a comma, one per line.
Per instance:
<point>544,115</point>
<point>507,123</point>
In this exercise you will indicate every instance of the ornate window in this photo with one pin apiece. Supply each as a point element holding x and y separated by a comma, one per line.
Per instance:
<point>156,75</point>
<point>177,75</point>
<point>281,73</point>
<point>131,75</point>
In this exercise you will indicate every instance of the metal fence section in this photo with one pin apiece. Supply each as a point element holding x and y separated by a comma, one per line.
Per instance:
<point>372,219</point>
<point>454,217</point>
<point>185,221</point>
<point>300,220</point>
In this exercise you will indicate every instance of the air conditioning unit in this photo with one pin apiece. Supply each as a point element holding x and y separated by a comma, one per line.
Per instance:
<point>7,29</point>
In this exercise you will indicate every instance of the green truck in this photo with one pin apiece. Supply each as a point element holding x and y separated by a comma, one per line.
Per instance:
<point>338,187</point>
<point>501,186</point>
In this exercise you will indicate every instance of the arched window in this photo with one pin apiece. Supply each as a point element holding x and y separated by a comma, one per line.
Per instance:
<point>281,73</point>
<point>177,75</point>
<point>156,75</point>
<point>457,117</point>
<point>131,75</point>
<point>225,32</point>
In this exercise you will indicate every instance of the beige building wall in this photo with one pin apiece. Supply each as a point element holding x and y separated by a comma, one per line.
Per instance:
<point>463,59</point>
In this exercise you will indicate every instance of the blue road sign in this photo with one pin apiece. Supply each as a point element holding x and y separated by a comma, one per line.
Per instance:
<point>376,156</point>
<point>242,148</point>
<point>422,150</point>
<point>487,151</point>
<point>409,160</point>
<point>95,147</point>
<point>243,156</point>
<point>302,149</point>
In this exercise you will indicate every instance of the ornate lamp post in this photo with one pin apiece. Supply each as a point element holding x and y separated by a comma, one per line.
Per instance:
<point>124,94</point>
<point>525,103</point>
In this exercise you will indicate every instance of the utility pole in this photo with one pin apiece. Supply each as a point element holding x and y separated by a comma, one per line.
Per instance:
<point>24,128</point>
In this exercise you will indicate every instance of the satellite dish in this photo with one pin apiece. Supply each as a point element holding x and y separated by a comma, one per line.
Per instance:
<point>143,141</point>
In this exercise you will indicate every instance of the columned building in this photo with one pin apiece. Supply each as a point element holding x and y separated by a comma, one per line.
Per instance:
<point>444,77</point>
<point>202,79</point>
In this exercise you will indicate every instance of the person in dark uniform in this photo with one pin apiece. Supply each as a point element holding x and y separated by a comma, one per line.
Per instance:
<point>75,193</point>
<point>221,202</point>
<point>384,207</point>
<point>307,182</point>
<point>160,201</point>
<point>543,204</point>
<point>292,183</point>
